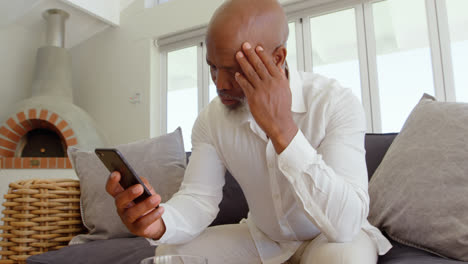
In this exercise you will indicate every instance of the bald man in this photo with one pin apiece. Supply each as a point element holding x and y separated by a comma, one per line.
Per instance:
<point>295,144</point>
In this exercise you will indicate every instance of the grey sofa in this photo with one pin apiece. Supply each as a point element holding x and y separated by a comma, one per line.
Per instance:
<point>233,208</point>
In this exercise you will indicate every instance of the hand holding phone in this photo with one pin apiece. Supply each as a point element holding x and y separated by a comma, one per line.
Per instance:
<point>114,161</point>
<point>141,217</point>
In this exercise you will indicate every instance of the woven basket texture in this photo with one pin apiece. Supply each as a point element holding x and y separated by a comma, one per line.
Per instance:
<point>39,216</point>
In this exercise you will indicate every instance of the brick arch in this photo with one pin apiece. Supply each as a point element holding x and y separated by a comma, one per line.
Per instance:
<point>19,125</point>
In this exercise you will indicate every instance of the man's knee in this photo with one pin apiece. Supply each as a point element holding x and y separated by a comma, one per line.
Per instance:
<point>361,251</point>
<point>163,250</point>
<point>227,244</point>
<point>332,255</point>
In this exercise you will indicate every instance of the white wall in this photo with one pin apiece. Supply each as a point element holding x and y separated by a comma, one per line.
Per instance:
<point>111,65</point>
<point>18,47</point>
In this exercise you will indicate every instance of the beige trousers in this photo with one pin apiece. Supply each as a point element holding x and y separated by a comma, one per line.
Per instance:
<point>233,244</point>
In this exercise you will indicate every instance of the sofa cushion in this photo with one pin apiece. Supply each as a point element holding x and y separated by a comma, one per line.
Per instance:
<point>233,206</point>
<point>376,146</point>
<point>161,160</point>
<point>418,193</point>
<point>401,254</point>
<point>115,251</point>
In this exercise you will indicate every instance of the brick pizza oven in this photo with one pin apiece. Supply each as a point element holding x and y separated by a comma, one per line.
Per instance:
<point>39,130</point>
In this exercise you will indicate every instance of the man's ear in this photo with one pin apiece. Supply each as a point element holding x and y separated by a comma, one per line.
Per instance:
<point>279,56</point>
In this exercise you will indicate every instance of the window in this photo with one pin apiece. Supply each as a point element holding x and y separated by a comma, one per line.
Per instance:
<point>291,45</point>
<point>403,59</point>
<point>153,3</point>
<point>458,22</point>
<point>182,91</point>
<point>213,92</point>
<point>334,48</point>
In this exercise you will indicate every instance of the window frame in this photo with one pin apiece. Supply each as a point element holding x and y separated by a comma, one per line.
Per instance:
<point>197,41</point>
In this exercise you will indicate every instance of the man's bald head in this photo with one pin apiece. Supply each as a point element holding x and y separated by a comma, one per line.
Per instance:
<point>261,22</point>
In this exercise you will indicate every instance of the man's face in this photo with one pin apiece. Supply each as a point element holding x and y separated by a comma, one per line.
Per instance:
<point>223,66</point>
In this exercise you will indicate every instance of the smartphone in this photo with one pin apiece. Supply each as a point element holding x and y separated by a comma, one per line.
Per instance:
<point>114,161</point>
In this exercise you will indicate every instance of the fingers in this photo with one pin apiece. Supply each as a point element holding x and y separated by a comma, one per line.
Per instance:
<point>244,84</point>
<point>125,199</point>
<point>148,186</point>
<point>255,61</point>
<point>247,69</point>
<point>113,186</point>
<point>144,222</point>
<point>257,66</point>
<point>132,214</point>
<point>273,69</point>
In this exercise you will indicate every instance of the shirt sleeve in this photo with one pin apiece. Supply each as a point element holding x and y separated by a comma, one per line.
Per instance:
<point>195,205</point>
<point>330,182</point>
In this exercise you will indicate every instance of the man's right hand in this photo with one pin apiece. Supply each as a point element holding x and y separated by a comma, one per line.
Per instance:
<point>142,219</point>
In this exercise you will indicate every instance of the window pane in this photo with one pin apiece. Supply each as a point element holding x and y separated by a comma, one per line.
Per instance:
<point>458,23</point>
<point>335,49</point>
<point>182,93</point>
<point>291,57</point>
<point>403,59</point>
<point>212,92</point>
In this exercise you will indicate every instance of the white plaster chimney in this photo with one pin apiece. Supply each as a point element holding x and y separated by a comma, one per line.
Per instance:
<point>53,62</point>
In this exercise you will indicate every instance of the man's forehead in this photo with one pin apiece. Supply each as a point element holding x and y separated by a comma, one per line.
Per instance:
<point>222,57</point>
<point>224,42</point>
<point>224,45</point>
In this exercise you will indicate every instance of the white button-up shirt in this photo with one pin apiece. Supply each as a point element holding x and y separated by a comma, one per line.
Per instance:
<point>318,184</point>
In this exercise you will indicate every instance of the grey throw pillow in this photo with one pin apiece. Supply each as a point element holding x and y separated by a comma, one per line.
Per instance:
<point>419,192</point>
<point>161,160</point>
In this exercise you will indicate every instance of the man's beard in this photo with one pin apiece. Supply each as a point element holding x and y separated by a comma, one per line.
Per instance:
<point>242,105</point>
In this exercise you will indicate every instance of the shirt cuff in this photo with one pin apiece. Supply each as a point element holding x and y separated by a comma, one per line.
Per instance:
<point>297,155</point>
<point>170,227</point>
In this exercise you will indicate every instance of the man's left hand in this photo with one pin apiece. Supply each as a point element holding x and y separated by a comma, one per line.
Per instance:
<point>268,94</point>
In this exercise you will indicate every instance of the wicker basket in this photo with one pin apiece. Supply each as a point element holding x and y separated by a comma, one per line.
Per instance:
<point>39,216</point>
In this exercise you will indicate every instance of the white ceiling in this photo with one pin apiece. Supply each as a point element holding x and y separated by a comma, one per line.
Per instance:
<point>10,11</point>
<point>125,3</point>
<point>81,25</point>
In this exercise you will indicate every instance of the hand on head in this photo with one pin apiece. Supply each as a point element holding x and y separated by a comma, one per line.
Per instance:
<point>142,219</point>
<point>268,94</point>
